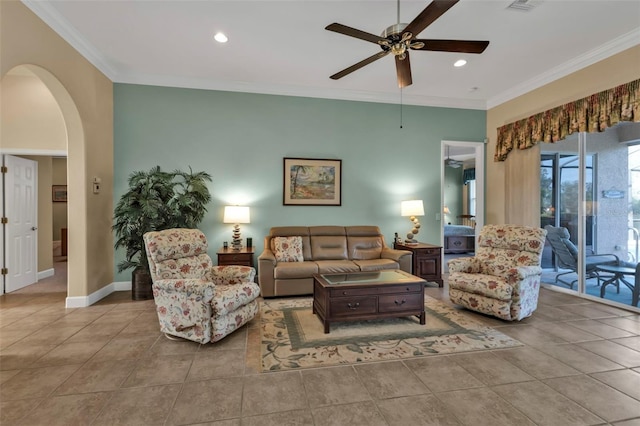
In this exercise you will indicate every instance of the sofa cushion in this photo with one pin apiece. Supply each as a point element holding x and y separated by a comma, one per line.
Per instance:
<point>329,247</point>
<point>336,266</point>
<point>365,247</point>
<point>285,270</point>
<point>288,249</point>
<point>376,264</point>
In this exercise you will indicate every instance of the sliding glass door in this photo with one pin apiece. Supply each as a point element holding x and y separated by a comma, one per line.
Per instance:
<point>590,204</point>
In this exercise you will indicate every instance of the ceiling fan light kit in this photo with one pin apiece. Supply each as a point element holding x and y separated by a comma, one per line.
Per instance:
<point>398,39</point>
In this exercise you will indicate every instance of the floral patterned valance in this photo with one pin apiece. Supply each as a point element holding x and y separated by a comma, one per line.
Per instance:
<point>594,113</point>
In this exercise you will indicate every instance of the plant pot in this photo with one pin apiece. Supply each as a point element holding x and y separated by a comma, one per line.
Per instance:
<point>141,285</point>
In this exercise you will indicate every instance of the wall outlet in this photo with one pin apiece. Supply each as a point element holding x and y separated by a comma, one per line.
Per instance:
<point>437,216</point>
<point>96,188</point>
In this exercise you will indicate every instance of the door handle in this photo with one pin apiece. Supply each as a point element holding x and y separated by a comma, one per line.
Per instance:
<point>33,228</point>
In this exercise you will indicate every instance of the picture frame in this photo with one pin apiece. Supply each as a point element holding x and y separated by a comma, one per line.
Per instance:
<point>59,193</point>
<point>312,182</point>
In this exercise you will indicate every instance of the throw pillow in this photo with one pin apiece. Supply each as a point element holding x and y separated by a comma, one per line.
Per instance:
<point>288,249</point>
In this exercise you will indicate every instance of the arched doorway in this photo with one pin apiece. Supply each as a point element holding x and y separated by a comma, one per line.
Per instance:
<point>75,152</point>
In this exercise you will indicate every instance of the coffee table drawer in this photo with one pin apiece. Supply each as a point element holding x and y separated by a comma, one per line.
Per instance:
<point>347,306</point>
<point>400,302</point>
<point>395,289</point>
<point>341,292</point>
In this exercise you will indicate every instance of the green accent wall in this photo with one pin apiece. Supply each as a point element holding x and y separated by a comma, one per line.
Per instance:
<point>242,138</point>
<point>453,193</point>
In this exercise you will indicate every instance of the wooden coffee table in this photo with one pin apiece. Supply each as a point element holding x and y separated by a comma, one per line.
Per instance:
<point>367,295</point>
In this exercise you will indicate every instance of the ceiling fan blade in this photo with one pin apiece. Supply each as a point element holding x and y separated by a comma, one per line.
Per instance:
<point>403,70</point>
<point>432,12</point>
<point>359,65</point>
<point>463,46</point>
<point>343,29</point>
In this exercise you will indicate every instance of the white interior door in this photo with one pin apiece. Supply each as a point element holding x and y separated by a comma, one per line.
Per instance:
<point>21,230</point>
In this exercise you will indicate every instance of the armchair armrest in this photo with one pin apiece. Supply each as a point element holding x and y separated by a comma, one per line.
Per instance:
<point>470,265</point>
<point>515,275</point>
<point>232,274</point>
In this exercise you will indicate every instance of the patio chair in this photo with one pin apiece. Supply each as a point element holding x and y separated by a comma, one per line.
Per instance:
<point>567,256</point>
<point>195,300</point>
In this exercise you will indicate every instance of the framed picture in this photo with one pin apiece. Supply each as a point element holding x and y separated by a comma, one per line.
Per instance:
<point>59,193</point>
<point>312,182</point>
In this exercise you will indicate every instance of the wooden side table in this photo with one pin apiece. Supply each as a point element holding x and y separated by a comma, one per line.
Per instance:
<point>427,261</point>
<point>242,257</point>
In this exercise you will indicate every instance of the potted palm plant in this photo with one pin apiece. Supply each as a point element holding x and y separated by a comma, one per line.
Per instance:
<point>156,200</point>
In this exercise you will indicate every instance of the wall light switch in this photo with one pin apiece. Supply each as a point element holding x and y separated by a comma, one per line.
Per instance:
<point>437,216</point>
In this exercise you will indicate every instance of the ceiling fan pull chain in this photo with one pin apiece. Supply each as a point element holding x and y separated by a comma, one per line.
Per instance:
<point>401,108</point>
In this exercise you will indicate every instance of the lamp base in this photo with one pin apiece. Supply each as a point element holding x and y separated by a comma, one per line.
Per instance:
<point>411,242</point>
<point>236,242</point>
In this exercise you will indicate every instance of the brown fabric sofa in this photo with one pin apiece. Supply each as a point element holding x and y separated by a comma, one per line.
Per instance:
<point>325,249</point>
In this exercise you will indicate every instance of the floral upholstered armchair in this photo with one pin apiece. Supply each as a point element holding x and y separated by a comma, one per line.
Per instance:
<point>195,300</point>
<point>503,279</point>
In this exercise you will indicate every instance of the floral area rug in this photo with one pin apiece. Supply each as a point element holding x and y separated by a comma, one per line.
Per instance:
<point>293,337</point>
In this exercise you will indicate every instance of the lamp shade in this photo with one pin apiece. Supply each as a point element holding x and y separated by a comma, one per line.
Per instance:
<point>236,214</point>
<point>412,208</point>
<point>446,210</point>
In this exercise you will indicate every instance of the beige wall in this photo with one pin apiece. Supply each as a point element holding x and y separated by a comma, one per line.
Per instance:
<point>512,194</point>
<point>30,113</point>
<point>85,98</point>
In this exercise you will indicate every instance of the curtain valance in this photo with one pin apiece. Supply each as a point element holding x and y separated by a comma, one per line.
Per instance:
<point>593,113</point>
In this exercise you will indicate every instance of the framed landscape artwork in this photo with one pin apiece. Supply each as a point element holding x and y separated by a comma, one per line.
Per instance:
<point>59,193</point>
<point>312,182</point>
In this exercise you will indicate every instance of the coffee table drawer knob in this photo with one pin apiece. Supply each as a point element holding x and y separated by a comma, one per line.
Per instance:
<point>353,306</point>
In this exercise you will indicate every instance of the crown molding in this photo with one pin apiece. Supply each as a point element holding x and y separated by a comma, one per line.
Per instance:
<point>604,51</point>
<point>45,11</point>
<point>298,91</point>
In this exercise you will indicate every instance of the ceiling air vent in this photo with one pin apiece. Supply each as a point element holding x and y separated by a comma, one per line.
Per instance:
<point>523,5</point>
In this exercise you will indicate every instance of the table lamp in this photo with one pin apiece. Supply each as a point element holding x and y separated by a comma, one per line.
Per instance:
<point>236,215</point>
<point>412,208</point>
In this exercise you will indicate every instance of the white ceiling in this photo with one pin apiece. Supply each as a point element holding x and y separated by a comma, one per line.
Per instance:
<point>281,47</point>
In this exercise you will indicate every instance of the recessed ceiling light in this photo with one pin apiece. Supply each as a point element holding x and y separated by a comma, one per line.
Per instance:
<point>460,63</point>
<point>220,38</point>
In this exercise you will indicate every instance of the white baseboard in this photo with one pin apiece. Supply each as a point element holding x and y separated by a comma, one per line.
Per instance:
<point>46,273</point>
<point>84,301</point>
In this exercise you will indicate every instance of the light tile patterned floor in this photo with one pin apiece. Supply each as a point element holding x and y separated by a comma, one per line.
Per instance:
<point>108,365</point>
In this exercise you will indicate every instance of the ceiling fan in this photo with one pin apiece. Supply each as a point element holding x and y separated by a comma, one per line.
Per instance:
<point>400,38</point>
<point>449,162</point>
